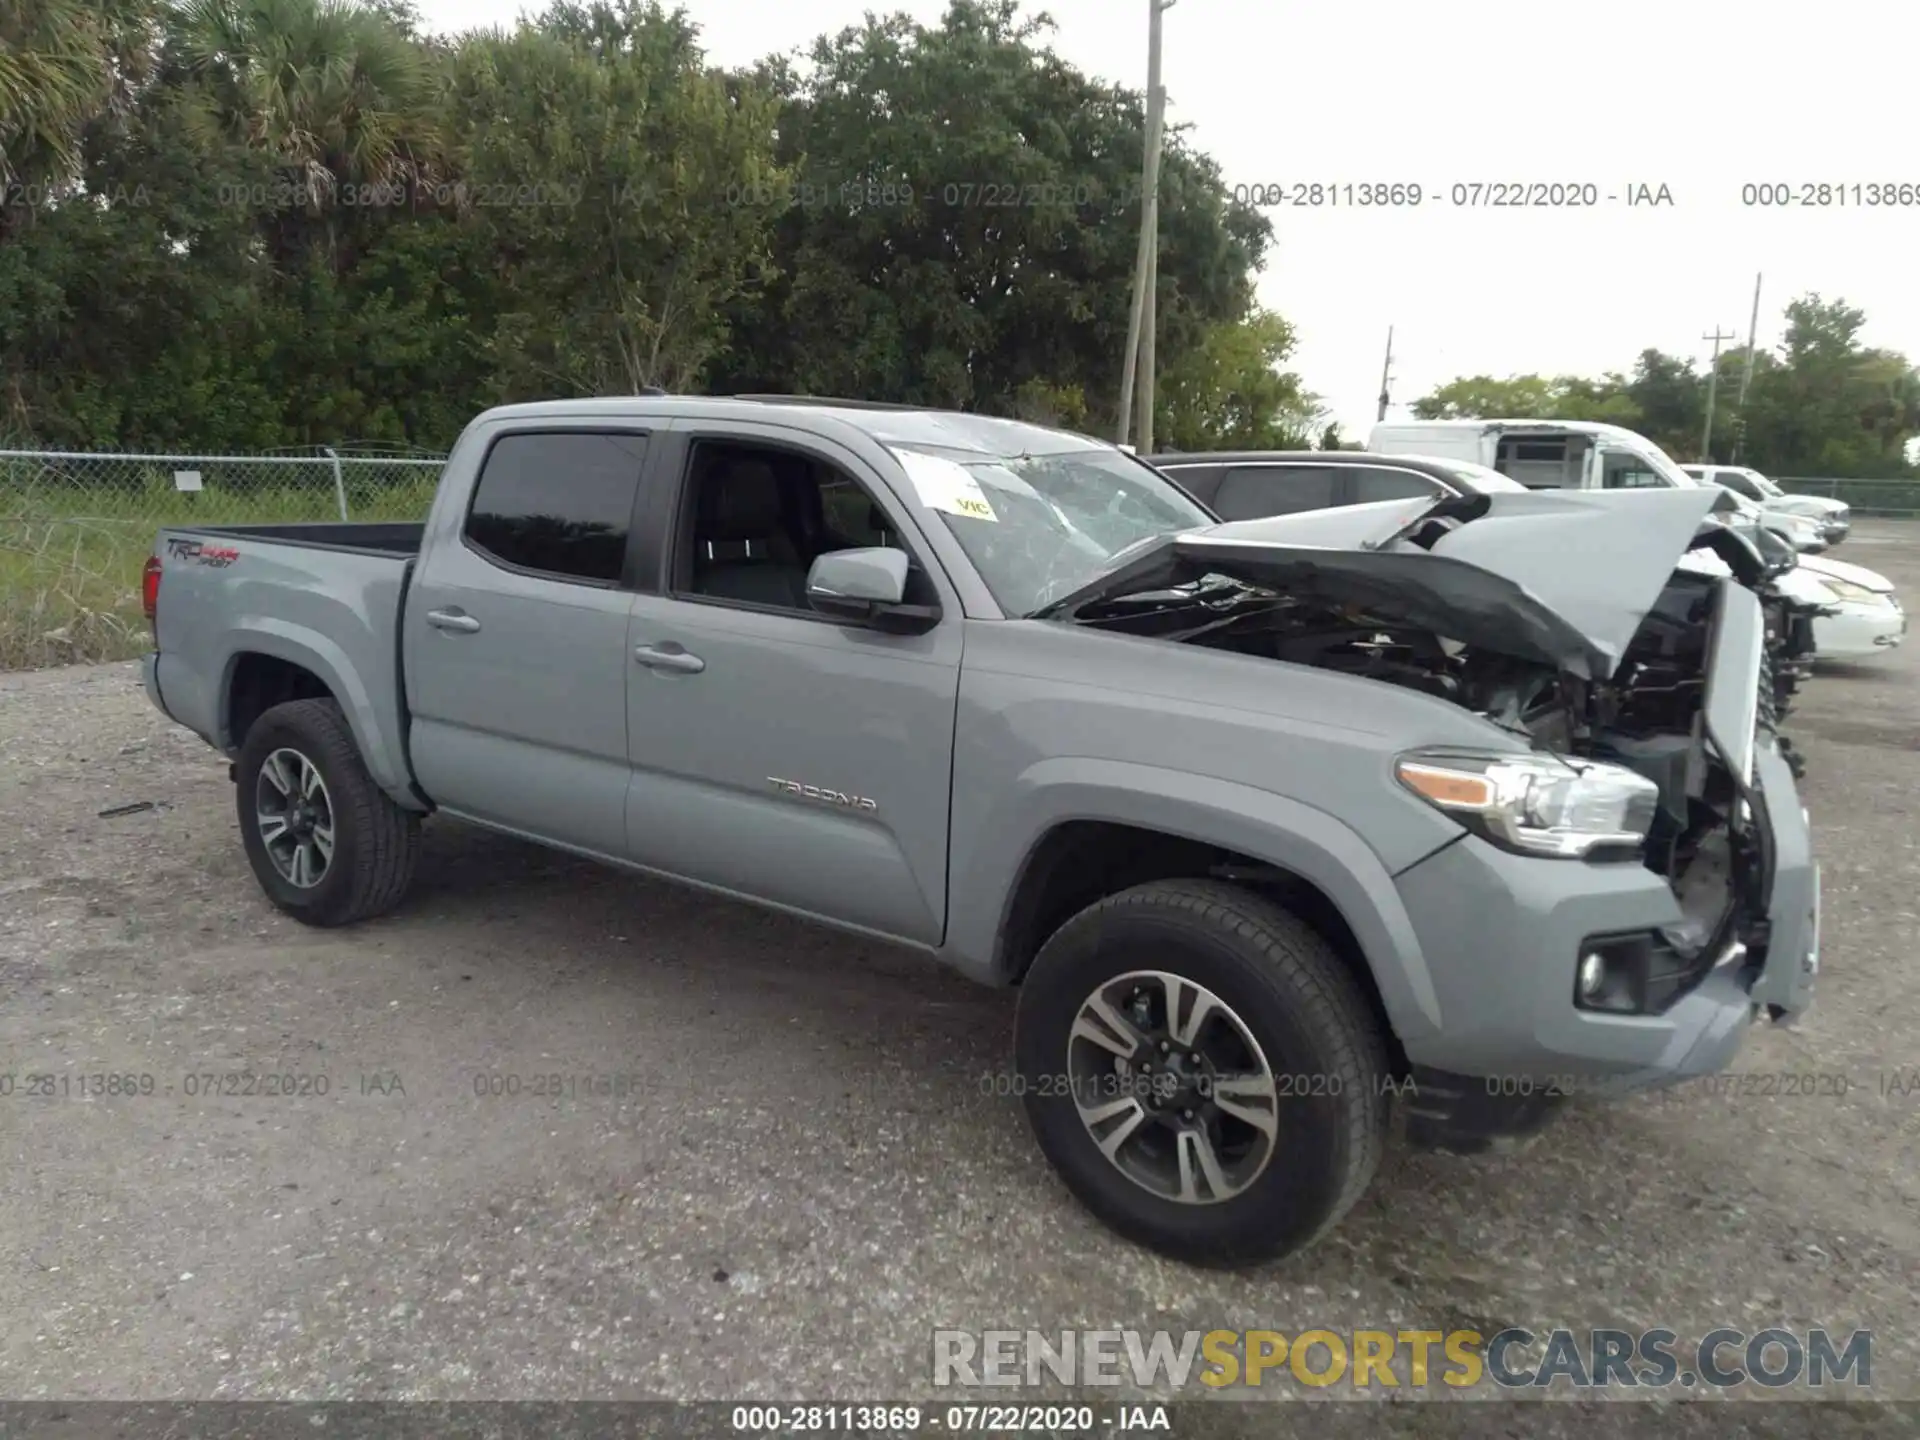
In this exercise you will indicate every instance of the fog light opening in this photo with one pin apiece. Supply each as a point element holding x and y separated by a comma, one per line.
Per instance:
<point>1624,975</point>
<point>1593,975</point>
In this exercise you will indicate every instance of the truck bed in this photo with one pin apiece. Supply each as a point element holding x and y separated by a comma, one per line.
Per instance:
<point>326,598</point>
<point>378,537</point>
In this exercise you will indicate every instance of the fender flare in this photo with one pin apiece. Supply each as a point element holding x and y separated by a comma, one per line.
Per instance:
<point>379,746</point>
<point>1308,842</point>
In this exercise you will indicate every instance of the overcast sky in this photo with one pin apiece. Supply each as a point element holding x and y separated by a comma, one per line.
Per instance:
<point>1702,96</point>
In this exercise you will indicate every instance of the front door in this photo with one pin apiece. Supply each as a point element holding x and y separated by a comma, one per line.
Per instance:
<point>777,754</point>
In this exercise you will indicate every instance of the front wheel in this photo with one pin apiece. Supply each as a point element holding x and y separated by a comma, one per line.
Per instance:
<point>325,842</point>
<point>1203,1071</point>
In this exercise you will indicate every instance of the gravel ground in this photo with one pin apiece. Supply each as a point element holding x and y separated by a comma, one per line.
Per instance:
<point>805,1178</point>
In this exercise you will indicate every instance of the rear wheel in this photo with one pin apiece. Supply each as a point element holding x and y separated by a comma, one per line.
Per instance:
<point>325,842</point>
<point>1203,1071</point>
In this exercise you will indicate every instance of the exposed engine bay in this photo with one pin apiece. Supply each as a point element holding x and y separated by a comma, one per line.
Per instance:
<point>1646,715</point>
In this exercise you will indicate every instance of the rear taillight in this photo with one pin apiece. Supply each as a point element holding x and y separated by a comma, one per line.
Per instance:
<point>150,587</point>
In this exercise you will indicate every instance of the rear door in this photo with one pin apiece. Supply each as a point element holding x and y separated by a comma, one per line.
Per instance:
<point>778,754</point>
<point>515,637</point>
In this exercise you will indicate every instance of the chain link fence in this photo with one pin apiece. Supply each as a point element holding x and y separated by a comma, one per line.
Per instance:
<point>76,527</point>
<point>1894,499</point>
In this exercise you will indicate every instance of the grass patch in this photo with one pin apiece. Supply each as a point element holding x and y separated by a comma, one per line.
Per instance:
<point>74,536</point>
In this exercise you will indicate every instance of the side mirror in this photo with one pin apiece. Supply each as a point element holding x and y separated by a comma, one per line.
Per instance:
<point>867,587</point>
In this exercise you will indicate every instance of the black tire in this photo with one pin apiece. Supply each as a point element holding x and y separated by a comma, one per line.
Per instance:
<point>1294,997</point>
<point>375,841</point>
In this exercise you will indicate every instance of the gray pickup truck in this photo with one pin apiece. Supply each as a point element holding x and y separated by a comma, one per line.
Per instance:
<point>1281,827</point>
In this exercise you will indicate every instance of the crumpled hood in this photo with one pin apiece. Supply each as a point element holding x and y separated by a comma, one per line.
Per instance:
<point>1562,577</point>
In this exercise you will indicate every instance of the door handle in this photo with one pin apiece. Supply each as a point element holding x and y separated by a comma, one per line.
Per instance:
<point>452,620</point>
<point>669,657</point>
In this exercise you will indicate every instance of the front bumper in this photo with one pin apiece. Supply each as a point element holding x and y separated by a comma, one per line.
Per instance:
<point>1855,630</point>
<point>1503,934</point>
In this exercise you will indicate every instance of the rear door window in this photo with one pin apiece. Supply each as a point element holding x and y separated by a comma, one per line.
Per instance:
<point>558,504</point>
<point>1250,492</point>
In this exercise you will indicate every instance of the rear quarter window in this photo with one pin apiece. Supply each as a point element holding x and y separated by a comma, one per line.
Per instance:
<point>1370,485</point>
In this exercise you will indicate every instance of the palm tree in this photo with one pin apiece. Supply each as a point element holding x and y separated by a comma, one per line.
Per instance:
<point>334,91</point>
<point>64,64</point>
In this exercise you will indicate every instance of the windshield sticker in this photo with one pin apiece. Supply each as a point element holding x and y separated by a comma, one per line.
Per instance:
<point>946,486</point>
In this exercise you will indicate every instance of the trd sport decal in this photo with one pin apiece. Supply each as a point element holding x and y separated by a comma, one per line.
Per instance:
<point>202,553</point>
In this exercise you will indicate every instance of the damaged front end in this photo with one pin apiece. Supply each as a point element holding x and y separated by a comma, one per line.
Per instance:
<point>1635,635</point>
<point>1769,573</point>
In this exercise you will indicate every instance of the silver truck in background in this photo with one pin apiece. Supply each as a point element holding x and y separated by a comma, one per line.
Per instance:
<point>1459,802</point>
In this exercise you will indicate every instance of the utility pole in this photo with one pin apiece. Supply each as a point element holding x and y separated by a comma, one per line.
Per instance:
<point>1150,316</point>
<point>1746,375</point>
<point>1146,266</point>
<point>1713,385</point>
<point>1386,375</point>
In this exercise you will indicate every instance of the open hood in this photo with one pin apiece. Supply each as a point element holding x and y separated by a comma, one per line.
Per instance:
<point>1560,577</point>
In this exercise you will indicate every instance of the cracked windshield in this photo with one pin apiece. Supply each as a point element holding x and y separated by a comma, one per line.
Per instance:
<point>1038,527</point>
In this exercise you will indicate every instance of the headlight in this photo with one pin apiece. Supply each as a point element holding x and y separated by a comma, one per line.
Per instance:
<point>1536,804</point>
<point>1847,590</point>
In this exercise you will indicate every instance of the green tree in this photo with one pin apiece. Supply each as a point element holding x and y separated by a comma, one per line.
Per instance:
<point>1832,406</point>
<point>1671,400</point>
<point>1478,396</point>
<point>339,96</point>
<point>961,220</point>
<point>614,175</point>
<point>1825,404</point>
<point>297,222</point>
<point>1229,392</point>
<point>65,66</point>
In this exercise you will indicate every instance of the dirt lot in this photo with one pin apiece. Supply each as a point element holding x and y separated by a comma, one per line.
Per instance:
<point>806,1177</point>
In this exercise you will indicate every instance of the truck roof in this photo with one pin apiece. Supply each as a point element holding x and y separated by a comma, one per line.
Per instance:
<point>952,430</point>
<point>1490,423</point>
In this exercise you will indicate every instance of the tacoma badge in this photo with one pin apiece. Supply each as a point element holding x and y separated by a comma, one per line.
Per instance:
<point>822,794</point>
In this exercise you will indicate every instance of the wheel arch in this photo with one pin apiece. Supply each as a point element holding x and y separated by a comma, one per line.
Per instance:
<point>265,667</point>
<point>1096,829</point>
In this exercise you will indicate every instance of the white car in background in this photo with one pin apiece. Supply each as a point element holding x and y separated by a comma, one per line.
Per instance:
<point>1807,522</point>
<point>1866,619</point>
